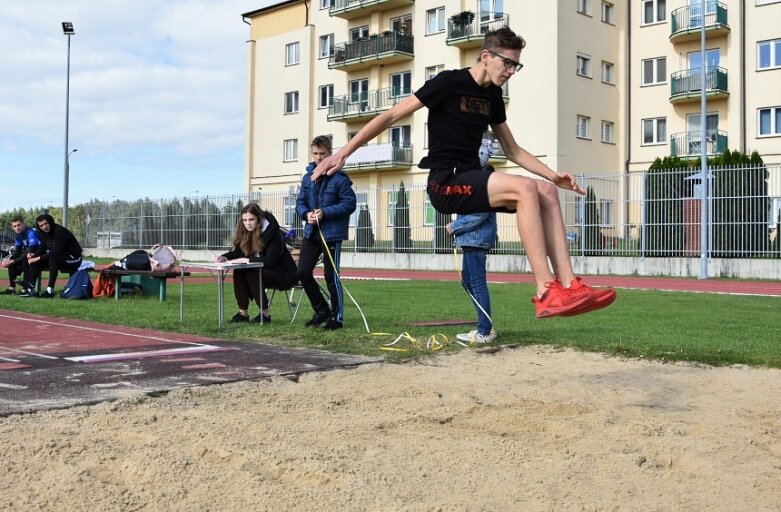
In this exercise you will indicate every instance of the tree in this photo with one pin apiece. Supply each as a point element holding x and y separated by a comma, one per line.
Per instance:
<point>364,236</point>
<point>402,234</point>
<point>443,241</point>
<point>665,188</point>
<point>593,237</point>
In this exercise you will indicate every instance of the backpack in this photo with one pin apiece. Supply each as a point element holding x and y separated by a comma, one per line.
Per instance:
<point>137,260</point>
<point>103,287</point>
<point>79,286</point>
<point>163,257</point>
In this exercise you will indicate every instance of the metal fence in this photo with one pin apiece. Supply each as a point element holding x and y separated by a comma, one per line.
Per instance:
<point>646,214</point>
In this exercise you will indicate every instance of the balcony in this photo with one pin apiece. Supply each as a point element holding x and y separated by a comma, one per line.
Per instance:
<point>386,48</point>
<point>379,156</point>
<point>351,9</point>
<point>687,22</point>
<point>685,85</point>
<point>464,30</point>
<point>365,105</point>
<point>687,144</point>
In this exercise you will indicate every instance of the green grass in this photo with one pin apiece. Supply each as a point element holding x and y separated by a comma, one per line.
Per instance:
<point>669,326</point>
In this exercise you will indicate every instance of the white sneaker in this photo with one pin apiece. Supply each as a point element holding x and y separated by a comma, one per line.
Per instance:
<point>475,337</point>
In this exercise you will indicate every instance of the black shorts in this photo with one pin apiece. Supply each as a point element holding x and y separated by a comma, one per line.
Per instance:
<point>461,191</point>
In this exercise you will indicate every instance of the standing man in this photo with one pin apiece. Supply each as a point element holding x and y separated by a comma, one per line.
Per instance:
<point>461,105</point>
<point>59,251</point>
<point>326,204</point>
<point>25,242</point>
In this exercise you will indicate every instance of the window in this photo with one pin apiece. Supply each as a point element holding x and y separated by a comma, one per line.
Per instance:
<point>290,150</point>
<point>654,11</point>
<point>763,2</point>
<point>425,135</point>
<point>326,96</point>
<point>608,72</point>
<point>490,10</point>
<point>584,7</point>
<point>326,46</point>
<point>292,54</point>
<point>393,195</point>
<point>291,102</point>
<point>361,201</point>
<point>583,129</point>
<point>402,25</point>
<point>359,92</point>
<point>654,131</point>
<point>401,84</point>
<point>769,121</point>
<point>769,54</point>
<point>359,33</point>
<point>584,65</point>
<point>435,20</point>
<point>433,71</point>
<point>400,136</point>
<point>608,13</point>
<point>289,205</point>
<point>608,132</point>
<point>326,4</point>
<point>655,71</point>
<point>606,212</point>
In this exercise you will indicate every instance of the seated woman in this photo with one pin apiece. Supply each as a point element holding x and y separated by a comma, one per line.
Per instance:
<point>257,238</point>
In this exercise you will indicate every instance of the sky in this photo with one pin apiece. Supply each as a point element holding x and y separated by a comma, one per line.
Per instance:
<point>157,99</point>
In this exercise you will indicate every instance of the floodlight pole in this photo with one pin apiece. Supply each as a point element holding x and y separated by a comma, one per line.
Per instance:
<point>704,189</point>
<point>67,29</point>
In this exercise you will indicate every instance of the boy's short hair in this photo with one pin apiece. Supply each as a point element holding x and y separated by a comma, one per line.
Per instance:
<point>503,38</point>
<point>322,141</point>
<point>17,218</point>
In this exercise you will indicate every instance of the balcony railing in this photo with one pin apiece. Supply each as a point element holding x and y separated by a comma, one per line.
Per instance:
<point>465,30</point>
<point>365,105</point>
<point>687,21</point>
<point>379,156</point>
<point>689,143</point>
<point>686,85</point>
<point>349,9</point>
<point>388,47</point>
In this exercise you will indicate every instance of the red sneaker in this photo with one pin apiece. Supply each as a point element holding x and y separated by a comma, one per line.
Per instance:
<point>603,297</point>
<point>557,300</point>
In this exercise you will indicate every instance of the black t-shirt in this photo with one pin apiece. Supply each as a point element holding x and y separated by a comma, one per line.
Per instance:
<point>459,111</point>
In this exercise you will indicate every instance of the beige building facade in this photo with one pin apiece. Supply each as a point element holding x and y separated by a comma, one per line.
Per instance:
<point>606,87</point>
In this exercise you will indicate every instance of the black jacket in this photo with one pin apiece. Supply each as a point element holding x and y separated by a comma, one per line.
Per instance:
<point>59,244</point>
<point>275,255</point>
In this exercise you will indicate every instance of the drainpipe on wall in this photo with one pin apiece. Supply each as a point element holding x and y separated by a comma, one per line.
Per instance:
<point>743,113</point>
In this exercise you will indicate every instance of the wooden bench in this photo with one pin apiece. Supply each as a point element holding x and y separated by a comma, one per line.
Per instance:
<point>155,280</point>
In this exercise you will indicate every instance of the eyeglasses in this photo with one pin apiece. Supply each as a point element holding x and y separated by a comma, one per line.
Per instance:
<point>508,63</point>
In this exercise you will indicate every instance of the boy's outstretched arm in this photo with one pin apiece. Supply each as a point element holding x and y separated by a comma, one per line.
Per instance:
<point>530,162</point>
<point>382,122</point>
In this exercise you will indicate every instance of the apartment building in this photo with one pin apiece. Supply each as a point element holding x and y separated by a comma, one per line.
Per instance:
<point>606,86</point>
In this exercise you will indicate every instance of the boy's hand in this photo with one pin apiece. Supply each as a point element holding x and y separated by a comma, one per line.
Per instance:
<point>567,181</point>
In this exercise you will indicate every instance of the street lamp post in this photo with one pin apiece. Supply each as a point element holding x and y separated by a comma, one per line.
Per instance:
<point>67,29</point>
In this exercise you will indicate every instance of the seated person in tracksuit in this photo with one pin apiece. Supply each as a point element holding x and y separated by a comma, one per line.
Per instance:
<point>59,252</point>
<point>25,241</point>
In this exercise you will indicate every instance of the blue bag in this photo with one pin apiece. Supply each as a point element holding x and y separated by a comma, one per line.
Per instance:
<point>79,286</point>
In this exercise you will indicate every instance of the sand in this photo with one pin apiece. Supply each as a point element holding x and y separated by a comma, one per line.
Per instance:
<point>523,429</point>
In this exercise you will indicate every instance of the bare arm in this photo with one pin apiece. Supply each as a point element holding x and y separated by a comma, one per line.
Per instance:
<point>530,162</point>
<point>373,128</point>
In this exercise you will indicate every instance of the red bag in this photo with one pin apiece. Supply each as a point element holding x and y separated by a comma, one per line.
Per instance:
<point>103,286</point>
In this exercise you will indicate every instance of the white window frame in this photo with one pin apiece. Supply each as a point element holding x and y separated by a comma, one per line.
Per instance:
<point>401,136</point>
<point>608,14</point>
<point>405,80</point>
<point>583,65</point>
<point>584,7</point>
<point>767,2</point>
<point>290,150</point>
<point>291,102</point>
<point>608,73</point>
<point>293,54</point>
<point>359,33</point>
<point>774,57</point>
<point>658,10</point>
<point>326,46</point>
<point>326,4</point>
<point>775,121</point>
<point>655,124</point>
<point>435,21</point>
<point>392,196</point>
<point>608,132</point>
<point>328,89</point>
<point>583,127</point>
<point>361,199</point>
<point>402,24</point>
<point>655,71</point>
<point>433,71</point>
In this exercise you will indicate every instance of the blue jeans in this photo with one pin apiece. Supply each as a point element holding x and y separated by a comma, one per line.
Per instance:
<point>474,281</point>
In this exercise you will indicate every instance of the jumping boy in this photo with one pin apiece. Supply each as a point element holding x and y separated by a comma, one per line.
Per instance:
<point>462,103</point>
